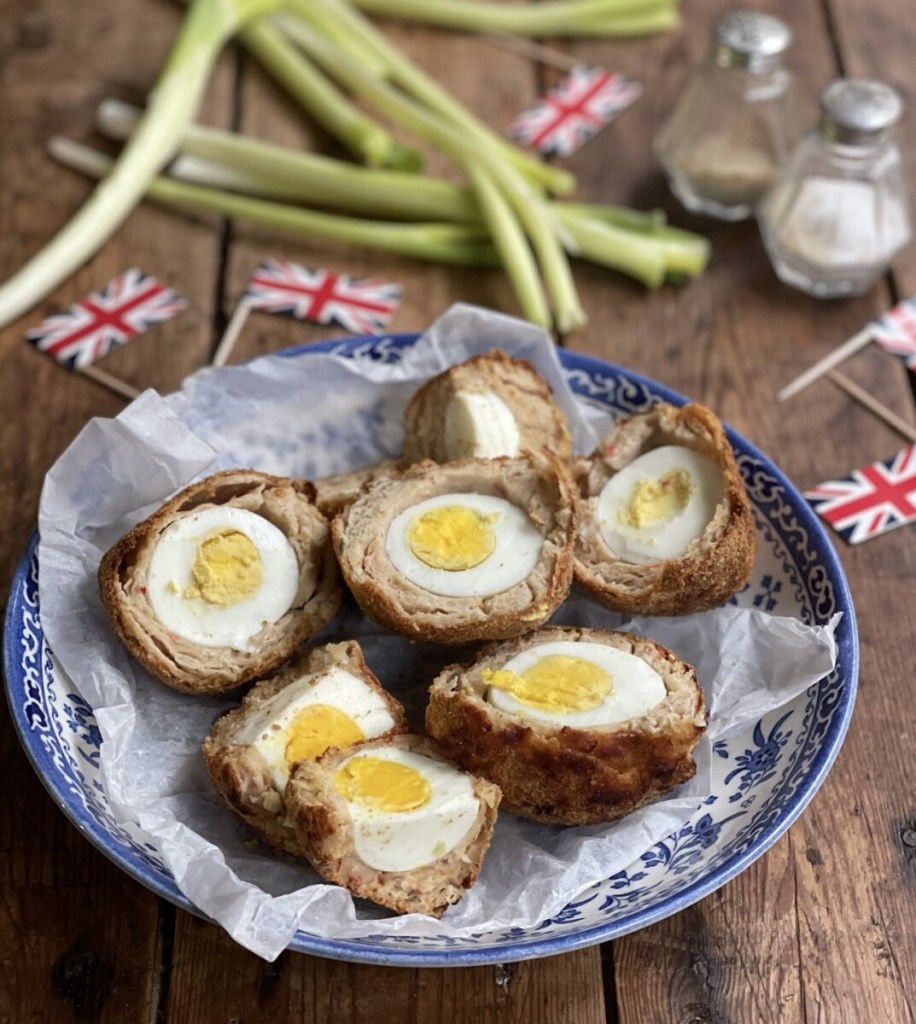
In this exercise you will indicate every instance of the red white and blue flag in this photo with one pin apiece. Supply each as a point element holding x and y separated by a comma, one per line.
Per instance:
<point>870,501</point>
<point>895,332</point>
<point>569,115</point>
<point>89,330</point>
<point>363,306</point>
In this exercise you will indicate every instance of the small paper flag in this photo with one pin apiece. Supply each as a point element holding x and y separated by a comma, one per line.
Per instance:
<point>363,306</point>
<point>870,501</point>
<point>89,330</point>
<point>895,332</point>
<point>569,115</point>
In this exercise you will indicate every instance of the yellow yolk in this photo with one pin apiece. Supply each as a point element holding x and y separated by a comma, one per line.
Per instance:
<point>316,728</point>
<point>227,568</point>
<point>658,500</point>
<point>382,785</point>
<point>452,537</point>
<point>557,683</point>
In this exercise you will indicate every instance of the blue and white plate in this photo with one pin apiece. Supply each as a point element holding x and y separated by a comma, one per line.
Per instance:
<point>763,776</point>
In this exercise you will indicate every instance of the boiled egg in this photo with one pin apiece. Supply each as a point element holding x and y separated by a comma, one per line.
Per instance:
<point>219,575</point>
<point>407,809</point>
<point>575,683</point>
<point>464,545</point>
<point>654,508</point>
<point>480,425</point>
<point>333,708</point>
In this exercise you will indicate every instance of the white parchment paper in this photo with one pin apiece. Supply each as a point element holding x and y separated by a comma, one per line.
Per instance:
<point>308,416</point>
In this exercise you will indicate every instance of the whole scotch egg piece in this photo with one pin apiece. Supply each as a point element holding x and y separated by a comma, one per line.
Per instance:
<point>327,697</point>
<point>490,405</point>
<point>223,582</point>
<point>394,821</point>
<point>469,550</point>
<point>665,524</point>
<point>576,726</point>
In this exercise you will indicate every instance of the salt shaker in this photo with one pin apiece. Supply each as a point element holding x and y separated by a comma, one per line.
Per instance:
<point>734,126</point>
<point>839,213</point>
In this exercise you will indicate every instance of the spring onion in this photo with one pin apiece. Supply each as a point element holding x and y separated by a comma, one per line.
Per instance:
<point>551,18</point>
<point>173,103</point>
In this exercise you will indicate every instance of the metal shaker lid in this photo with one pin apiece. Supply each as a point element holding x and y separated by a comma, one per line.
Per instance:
<point>857,111</point>
<point>750,40</point>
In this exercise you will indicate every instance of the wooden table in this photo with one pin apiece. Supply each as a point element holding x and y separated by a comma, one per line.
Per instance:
<point>821,928</point>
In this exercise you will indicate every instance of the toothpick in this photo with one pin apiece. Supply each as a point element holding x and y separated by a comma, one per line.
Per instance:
<point>871,403</point>
<point>119,387</point>
<point>536,51</point>
<point>859,340</point>
<point>231,334</point>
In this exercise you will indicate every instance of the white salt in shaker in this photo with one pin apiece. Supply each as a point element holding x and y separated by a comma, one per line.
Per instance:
<point>734,125</point>
<point>839,213</point>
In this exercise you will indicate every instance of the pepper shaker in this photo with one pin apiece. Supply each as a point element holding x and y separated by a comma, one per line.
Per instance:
<point>734,125</point>
<point>839,214</point>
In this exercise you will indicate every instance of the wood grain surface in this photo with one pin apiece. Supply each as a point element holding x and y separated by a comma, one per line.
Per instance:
<point>818,930</point>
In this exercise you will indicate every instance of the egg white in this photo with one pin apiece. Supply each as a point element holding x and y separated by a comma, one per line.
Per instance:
<point>657,542</point>
<point>402,841</point>
<point>213,625</point>
<point>637,686</point>
<point>480,425</point>
<point>518,546</point>
<point>268,731</point>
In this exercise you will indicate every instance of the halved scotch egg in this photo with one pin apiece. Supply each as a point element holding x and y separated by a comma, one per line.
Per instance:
<point>576,726</point>
<point>489,406</point>
<point>480,548</point>
<point>224,582</point>
<point>665,523</point>
<point>327,697</point>
<point>394,822</point>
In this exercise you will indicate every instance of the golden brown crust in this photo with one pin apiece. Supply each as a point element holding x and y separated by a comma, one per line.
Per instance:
<point>189,667</point>
<point>538,483</point>
<point>334,493</point>
<point>716,567</point>
<point>570,776</point>
<point>238,771</point>
<point>325,832</point>
<point>541,422</point>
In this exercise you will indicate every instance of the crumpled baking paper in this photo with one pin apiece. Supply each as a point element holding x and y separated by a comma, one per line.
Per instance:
<point>311,415</point>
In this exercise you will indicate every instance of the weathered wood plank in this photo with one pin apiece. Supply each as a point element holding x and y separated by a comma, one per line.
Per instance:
<point>214,980</point>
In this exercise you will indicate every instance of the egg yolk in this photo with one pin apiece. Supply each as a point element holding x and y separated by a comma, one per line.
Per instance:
<point>227,568</point>
<point>379,784</point>
<point>557,683</point>
<point>658,500</point>
<point>315,729</point>
<point>452,537</point>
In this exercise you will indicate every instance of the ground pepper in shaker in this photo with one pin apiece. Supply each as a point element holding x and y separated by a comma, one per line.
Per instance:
<point>839,213</point>
<point>728,136</point>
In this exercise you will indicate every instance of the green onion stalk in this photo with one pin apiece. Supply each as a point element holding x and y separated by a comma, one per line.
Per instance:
<point>173,103</point>
<point>460,244</point>
<point>638,243</point>
<point>481,160</point>
<point>551,18</point>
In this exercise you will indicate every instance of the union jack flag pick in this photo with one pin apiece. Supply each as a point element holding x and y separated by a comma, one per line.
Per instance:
<point>895,332</point>
<point>870,501</point>
<point>363,306</point>
<point>569,115</point>
<point>126,307</point>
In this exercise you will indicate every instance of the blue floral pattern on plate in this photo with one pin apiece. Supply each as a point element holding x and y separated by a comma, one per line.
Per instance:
<point>764,776</point>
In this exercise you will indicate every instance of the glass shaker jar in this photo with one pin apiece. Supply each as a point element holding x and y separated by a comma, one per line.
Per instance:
<point>729,134</point>
<point>839,213</point>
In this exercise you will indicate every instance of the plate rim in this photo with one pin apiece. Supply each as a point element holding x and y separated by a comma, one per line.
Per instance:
<point>351,951</point>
